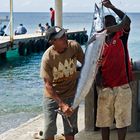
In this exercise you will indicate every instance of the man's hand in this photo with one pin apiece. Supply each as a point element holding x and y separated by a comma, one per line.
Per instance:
<point>107,4</point>
<point>99,62</point>
<point>68,111</point>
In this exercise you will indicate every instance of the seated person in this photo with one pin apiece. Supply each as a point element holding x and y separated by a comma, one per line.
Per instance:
<point>47,26</point>
<point>41,29</point>
<point>20,30</point>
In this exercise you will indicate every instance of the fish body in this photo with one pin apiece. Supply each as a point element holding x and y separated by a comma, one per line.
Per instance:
<point>98,21</point>
<point>92,54</point>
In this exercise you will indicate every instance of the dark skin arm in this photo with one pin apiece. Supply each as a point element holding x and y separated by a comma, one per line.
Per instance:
<point>64,107</point>
<point>125,24</point>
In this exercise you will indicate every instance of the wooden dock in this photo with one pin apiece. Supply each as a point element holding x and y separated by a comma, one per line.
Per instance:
<point>6,45</point>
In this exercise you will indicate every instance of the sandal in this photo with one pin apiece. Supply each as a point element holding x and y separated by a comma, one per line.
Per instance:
<point>38,135</point>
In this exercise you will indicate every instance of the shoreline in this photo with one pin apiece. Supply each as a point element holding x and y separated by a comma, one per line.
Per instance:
<point>26,130</point>
<point>13,120</point>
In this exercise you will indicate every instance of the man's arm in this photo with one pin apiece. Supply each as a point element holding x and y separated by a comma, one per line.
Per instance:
<point>80,55</point>
<point>64,107</point>
<point>49,87</point>
<point>125,24</point>
<point>108,4</point>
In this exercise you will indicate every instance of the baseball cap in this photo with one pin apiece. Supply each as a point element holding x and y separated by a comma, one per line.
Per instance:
<point>55,33</point>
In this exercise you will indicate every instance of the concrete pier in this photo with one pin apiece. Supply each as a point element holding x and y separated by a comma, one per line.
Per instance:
<point>27,130</point>
<point>6,45</point>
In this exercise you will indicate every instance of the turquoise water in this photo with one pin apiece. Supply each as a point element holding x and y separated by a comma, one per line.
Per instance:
<point>21,90</point>
<point>20,85</point>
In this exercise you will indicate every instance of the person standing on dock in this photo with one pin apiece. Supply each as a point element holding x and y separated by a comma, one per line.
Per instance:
<point>114,93</point>
<point>47,26</point>
<point>52,16</point>
<point>2,30</point>
<point>20,30</point>
<point>41,29</point>
<point>58,69</point>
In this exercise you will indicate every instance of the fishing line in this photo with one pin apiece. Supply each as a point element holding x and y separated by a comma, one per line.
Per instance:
<point>107,8</point>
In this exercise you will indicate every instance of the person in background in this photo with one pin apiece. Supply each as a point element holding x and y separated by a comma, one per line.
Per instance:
<point>20,30</point>
<point>41,29</point>
<point>114,93</point>
<point>58,70</point>
<point>52,16</point>
<point>2,30</point>
<point>47,26</point>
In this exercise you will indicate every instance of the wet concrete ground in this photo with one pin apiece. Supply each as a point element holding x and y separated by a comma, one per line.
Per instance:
<point>27,130</point>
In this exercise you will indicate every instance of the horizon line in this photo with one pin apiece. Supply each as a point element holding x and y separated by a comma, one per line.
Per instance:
<point>49,12</point>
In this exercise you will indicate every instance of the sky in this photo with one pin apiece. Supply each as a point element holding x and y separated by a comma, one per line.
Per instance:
<point>68,5</point>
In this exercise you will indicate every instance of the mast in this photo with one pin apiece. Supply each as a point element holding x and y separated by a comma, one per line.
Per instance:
<point>11,21</point>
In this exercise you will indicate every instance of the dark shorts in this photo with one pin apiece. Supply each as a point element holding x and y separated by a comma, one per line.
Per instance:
<point>52,23</point>
<point>49,107</point>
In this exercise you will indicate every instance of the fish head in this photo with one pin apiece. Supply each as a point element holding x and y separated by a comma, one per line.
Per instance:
<point>98,21</point>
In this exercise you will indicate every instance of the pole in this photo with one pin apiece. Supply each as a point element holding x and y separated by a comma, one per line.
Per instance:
<point>58,13</point>
<point>11,21</point>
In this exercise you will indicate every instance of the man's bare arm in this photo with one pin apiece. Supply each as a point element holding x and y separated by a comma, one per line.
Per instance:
<point>64,107</point>
<point>49,87</point>
<point>125,23</point>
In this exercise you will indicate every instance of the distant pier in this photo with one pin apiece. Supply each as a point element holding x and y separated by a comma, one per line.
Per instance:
<point>29,43</point>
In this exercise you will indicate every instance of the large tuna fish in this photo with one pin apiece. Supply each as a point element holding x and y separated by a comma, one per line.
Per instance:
<point>92,54</point>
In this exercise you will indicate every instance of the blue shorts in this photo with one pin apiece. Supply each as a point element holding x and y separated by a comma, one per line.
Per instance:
<point>49,107</point>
